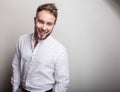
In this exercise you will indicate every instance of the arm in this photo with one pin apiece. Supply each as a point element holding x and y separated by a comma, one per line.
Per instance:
<point>15,79</point>
<point>61,73</point>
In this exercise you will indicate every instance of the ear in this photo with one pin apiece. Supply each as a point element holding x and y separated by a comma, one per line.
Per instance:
<point>34,20</point>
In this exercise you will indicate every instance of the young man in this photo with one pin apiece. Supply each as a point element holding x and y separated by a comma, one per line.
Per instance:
<point>40,63</point>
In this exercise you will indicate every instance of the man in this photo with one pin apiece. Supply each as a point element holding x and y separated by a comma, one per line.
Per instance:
<point>40,62</point>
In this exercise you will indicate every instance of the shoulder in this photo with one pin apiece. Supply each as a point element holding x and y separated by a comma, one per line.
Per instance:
<point>59,50</point>
<point>25,37</point>
<point>57,45</point>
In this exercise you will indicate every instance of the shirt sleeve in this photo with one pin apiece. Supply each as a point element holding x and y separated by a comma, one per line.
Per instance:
<point>15,79</point>
<point>61,73</point>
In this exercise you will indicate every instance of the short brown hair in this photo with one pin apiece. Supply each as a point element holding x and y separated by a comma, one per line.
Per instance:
<point>51,7</point>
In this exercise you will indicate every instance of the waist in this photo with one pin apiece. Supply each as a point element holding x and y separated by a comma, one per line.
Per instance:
<point>24,90</point>
<point>41,88</point>
<point>37,85</point>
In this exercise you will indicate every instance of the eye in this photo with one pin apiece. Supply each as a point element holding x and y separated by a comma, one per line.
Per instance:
<point>40,21</point>
<point>49,24</point>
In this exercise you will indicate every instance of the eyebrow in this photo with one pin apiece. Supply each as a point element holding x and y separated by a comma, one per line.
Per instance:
<point>40,20</point>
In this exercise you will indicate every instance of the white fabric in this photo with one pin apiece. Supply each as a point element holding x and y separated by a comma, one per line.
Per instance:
<point>40,68</point>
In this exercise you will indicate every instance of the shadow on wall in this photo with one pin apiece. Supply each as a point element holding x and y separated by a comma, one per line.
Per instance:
<point>6,72</point>
<point>115,5</point>
<point>6,84</point>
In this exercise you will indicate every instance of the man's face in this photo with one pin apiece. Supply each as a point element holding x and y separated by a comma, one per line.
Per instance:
<point>44,23</point>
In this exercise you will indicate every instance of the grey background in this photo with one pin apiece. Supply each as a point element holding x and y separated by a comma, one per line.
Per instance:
<point>89,29</point>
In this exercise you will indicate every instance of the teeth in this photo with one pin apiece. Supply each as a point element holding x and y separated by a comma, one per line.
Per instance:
<point>43,31</point>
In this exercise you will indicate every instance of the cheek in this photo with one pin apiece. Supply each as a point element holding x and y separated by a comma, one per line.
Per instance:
<point>50,28</point>
<point>37,25</point>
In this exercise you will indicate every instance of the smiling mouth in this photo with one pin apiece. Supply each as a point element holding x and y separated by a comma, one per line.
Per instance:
<point>43,32</point>
<point>40,30</point>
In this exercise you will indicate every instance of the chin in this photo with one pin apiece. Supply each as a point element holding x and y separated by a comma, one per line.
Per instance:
<point>43,37</point>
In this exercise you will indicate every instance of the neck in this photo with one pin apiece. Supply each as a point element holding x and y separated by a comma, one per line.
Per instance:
<point>36,42</point>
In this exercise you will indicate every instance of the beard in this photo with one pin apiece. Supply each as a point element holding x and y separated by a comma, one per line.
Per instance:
<point>41,34</point>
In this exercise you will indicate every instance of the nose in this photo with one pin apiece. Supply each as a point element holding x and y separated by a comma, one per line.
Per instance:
<point>43,27</point>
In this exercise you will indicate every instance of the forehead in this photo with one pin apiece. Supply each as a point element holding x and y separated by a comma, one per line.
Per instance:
<point>46,16</point>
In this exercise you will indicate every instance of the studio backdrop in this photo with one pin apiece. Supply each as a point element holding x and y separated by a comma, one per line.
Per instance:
<point>89,29</point>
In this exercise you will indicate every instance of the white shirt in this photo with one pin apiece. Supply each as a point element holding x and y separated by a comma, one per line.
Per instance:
<point>40,68</point>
